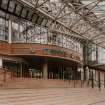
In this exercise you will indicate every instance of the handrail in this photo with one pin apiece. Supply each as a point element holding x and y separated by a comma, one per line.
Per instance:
<point>101,81</point>
<point>4,73</point>
<point>98,83</point>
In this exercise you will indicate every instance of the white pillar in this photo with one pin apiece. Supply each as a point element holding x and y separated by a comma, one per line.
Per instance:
<point>1,62</point>
<point>45,70</point>
<point>10,32</point>
<point>82,73</point>
<point>87,73</point>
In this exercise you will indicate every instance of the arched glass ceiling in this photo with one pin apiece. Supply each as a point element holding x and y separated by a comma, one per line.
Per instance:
<point>83,18</point>
<point>86,17</point>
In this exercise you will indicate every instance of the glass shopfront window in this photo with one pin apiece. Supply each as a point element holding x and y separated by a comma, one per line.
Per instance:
<point>37,36</point>
<point>43,36</point>
<point>3,29</point>
<point>26,32</point>
<point>59,40</point>
<point>49,38</point>
<point>15,31</point>
<point>54,39</point>
<point>22,33</point>
<point>64,41</point>
<point>29,32</point>
<point>19,34</point>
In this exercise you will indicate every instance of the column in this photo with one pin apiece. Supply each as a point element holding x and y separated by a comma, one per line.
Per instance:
<point>10,32</point>
<point>45,70</point>
<point>82,73</point>
<point>87,73</point>
<point>82,76</point>
<point>63,72</point>
<point>99,80</point>
<point>92,79</point>
<point>21,70</point>
<point>1,62</point>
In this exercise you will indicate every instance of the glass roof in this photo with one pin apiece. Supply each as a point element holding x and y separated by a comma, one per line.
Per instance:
<point>84,18</point>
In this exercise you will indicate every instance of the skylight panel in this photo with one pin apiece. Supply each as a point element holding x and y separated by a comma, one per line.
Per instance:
<point>18,9</point>
<point>34,18</point>
<point>24,12</point>
<point>44,22</point>
<point>29,16</point>
<point>4,4</point>
<point>11,6</point>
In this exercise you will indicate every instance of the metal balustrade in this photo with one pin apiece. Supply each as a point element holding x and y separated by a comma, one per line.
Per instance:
<point>9,77</point>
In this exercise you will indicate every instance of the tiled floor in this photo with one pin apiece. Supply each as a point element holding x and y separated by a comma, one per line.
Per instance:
<point>52,96</point>
<point>100,103</point>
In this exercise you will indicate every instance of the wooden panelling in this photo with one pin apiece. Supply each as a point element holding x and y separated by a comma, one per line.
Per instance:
<point>45,50</point>
<point>5,48</point>
<point>39,50</point>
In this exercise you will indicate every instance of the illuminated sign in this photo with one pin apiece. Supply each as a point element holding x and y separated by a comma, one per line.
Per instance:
<point>61,52</point>
<point>52,51</point>
<point>58,53</point>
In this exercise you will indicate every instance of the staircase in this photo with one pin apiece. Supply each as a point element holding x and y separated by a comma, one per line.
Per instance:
<point>52,96</point>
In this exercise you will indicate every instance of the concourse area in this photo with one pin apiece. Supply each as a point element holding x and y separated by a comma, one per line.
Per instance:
<point>52,52</point>
<point>44,68</point>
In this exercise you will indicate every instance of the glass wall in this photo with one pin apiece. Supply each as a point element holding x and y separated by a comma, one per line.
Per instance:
<point>18,32</point>
<point>27,32</point>
<point>3,27</point>
<point>101,55</point>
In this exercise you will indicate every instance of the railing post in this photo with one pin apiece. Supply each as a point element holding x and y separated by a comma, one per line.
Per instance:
<point>4,76</point>
<point>11,74</point>
<point>99,85</point>
<point>92,80</point>
<point>81,77</point>
<point>74,78</point>
<point>88,78</point>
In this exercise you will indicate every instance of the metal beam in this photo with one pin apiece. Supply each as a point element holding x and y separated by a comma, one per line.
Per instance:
<point>42,3</point>
<point>0,2</point>
<point>8,4</point>
<point>46,14</point>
